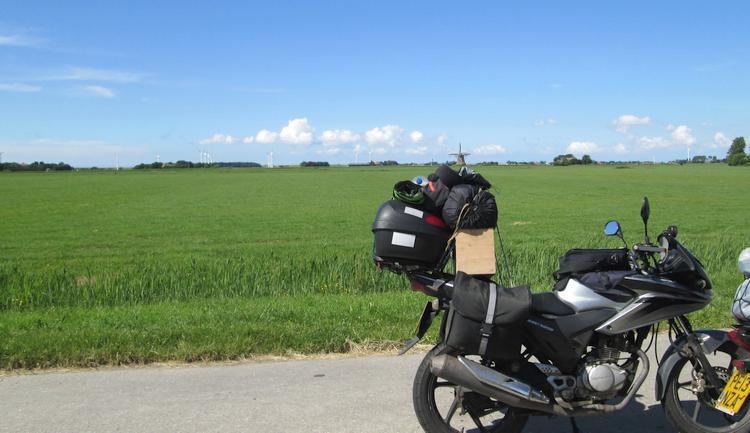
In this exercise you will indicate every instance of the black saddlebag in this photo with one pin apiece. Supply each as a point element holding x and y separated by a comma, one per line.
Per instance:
<point>475,328</point>
<point>581,261</point>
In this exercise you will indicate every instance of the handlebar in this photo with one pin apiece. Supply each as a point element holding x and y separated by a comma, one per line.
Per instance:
<point>648,249</point>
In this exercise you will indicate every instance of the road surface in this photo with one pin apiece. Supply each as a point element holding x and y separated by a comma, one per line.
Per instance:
<point>365,394</point>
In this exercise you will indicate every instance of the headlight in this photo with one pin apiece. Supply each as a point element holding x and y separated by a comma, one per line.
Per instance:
<point>663,243</point>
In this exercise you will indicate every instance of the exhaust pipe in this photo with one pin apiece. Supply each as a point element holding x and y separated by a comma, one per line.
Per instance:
<point>492,383</point>
<point>513,392</point>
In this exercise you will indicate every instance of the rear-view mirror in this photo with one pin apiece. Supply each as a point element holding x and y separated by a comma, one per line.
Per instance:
<point>612,228</point>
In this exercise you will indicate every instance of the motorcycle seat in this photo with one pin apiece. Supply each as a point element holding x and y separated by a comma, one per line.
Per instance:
<point>549,303</point>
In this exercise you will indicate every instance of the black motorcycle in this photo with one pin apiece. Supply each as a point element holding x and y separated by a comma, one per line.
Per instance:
<point>578,350</point>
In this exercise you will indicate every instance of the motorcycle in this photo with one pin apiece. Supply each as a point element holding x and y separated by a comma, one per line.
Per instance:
<point>584,349</point>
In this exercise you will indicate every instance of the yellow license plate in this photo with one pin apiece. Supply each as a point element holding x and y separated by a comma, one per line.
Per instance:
<point>735,392</point>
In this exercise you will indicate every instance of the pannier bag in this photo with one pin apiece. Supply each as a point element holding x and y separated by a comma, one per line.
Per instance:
<point>486,319</point>
<point>581,261</point>
<point>741,304</point>
<point>407,235</point>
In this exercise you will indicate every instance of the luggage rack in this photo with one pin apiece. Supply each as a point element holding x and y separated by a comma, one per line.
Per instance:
<point>409,268</point>
<point>439,282</point>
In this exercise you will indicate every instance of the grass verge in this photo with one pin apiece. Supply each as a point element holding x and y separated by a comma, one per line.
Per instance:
<point>205,330</point>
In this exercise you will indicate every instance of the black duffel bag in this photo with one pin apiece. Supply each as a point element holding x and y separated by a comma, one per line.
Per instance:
<point>486,319</point>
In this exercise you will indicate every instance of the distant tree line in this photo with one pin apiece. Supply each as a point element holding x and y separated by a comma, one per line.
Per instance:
<point>35,166</point>
<point>315,164</point>
<point>570,159</point>
<point>189,164</point>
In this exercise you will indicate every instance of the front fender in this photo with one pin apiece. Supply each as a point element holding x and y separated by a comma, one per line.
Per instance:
<point>711,339</point>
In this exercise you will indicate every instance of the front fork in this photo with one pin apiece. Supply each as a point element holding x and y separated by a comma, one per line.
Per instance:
<point>693,350</point>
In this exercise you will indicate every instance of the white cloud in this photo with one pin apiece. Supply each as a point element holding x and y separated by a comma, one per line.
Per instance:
<point>623,123</point>
<point>338,136</point>
<point>441,139</point>
<point>682,134</point>
<point>489,149</point>
<point>545,122</point>
<point>720,141</point>
<point>100,91</point>
<point>19,41</point>
<point>297,131</point>
<point>583,147</point>
<point>653,142</point>
<point>387,135</point>
<point>265,136</point>
<point>89,74</point>
<point>248,140</point>
<point>218,139</point>
<point>379,151</point>
<point>416,136</point>
<point>421,150</point>
<point>621,148</point>
<point>18,87</point>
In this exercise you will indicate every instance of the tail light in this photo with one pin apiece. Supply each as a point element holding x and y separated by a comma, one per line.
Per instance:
<point>736,337</point>
<point>418,287</point>
<point>435,221</point>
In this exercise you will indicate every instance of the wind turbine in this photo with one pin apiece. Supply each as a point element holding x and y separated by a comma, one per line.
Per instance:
<point>269,159</point>
<point>356,155</point>
<point>1,157</point>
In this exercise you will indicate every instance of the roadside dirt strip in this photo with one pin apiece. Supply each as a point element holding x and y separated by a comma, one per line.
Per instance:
<point>364,394</point>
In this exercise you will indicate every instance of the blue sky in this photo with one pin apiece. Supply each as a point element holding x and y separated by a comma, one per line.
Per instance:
<point>81,82</point>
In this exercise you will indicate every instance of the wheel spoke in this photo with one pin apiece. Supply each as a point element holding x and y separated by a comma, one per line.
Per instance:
<point>451,411</point>
<point>477,422</point>
<point>697,410</point>
<point>443,384</point>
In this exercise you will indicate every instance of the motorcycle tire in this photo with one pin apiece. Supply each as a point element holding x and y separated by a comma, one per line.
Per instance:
<point>429,415</point>
<point>686,418</point>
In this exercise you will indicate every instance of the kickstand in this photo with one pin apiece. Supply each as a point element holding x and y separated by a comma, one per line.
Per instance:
<point>574,425</point>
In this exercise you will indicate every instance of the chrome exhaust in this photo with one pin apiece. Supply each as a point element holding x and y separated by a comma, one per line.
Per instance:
<point>492,383</point>
<point>515,393</point>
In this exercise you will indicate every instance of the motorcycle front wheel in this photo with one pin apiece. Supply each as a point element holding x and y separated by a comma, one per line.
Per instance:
<point>444,407</point>
<point>689,403</point>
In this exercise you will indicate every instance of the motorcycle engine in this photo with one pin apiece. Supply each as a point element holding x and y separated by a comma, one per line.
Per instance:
<point>601,380</point>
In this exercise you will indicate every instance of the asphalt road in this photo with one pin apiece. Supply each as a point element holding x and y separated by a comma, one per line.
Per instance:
<point>367,394</point>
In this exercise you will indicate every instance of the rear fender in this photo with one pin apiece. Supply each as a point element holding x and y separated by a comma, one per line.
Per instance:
<point>711,339</point>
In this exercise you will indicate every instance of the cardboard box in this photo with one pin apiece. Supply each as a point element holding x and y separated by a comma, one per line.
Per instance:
<point>475,251</point>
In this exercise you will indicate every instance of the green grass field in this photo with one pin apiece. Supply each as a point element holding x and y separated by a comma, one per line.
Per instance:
<point>98,267</point>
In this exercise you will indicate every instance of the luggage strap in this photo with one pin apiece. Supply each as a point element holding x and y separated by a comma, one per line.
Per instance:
<point>486,329</point>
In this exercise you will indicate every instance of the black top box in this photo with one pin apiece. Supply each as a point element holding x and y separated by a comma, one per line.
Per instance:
<point>407,235</point>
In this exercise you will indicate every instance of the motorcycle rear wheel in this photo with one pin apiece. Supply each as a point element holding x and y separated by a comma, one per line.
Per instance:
<point>437,412</point>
